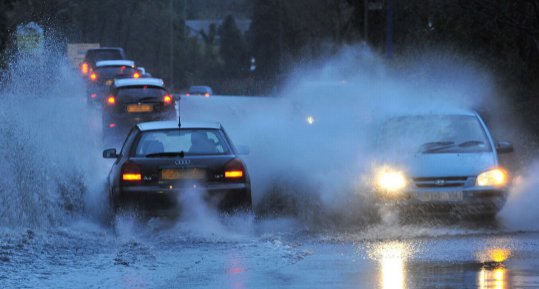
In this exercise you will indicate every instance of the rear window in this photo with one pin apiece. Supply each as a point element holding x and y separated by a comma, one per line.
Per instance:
<point>141,92</point>
<point>109,72</point>
<point>190,141</point>
<point>103,54</point>
<point>199,89</point>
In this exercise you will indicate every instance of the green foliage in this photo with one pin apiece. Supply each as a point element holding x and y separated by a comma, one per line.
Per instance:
<point>233,49</point>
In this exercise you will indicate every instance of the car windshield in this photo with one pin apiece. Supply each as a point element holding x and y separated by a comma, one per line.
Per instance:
<point>434,134</point>
<point>103,54</point>
<point>108,72</point>
<point>141,92</point>
<point>184,141</point>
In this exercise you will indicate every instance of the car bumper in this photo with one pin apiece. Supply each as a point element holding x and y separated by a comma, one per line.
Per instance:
<point>462,201</point>
<point>170,199</point>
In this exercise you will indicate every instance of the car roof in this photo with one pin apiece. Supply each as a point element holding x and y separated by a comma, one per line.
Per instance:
<point>463,112</point>
<point>138,81</point>
<point>169,124</point>
<point>105,48</point>
<point>115,63</point>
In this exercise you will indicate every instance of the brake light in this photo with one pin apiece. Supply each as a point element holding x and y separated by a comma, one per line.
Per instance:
<point>93,95</point>
<point>84,68</point>
<point>234,169</point>
<point>111,100</point>
<point>187,94</point>
<point>167,99</point>
<point>93,76</point>
<point>136,75</point>
<point>112,125</point>
<point>207,94</point>
<point>131,173</point>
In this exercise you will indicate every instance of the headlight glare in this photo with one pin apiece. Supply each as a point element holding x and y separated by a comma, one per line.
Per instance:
<point>492,178</point>
<point>391,181</point>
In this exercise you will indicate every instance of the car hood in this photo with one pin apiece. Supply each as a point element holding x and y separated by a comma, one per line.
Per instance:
<point>448,164</point>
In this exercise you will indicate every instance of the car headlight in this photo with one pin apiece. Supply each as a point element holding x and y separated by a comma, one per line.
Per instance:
<point>390,180</point>
<point>492,178</point>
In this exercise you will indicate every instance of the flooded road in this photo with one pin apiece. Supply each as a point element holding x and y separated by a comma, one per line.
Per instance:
<point>239,252</point>
<point>52,233</point>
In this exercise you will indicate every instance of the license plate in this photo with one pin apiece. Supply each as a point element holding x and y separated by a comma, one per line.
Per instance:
<point>139,108</point>
<point>108,82</point>
<point>451,196</point>
<point>182,174</point>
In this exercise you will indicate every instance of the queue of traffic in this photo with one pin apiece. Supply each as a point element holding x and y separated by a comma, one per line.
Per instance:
<point>161,157</point>
<point>444,162</point>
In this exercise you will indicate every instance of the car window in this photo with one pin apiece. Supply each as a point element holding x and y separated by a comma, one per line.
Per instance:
<point>103,54</point>
<point>108,72</point>
<point>141,91</point>
<point>128,139</point>
<point>189,141</point>
<point>198,89</point>
<point>434,134</point>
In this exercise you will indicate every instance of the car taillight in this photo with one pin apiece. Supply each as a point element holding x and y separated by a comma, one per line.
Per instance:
<point>167,99</point>
<point>187,94</point>
<point>136,75</point>
<point>131,173</point>
<point>111,100</point>
<point>93,95</point>
<point>207,94</point>
<point>93,76</point>
<point>84,68</point>
<point>234,169</point>
<point>112,125</point>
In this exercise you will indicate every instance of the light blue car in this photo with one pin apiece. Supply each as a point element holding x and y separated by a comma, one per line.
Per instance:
<point>441,163</point>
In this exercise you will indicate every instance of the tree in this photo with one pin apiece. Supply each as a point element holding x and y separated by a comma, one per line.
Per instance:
<point>266,37</point>
<point>232,48</point>
<point>5,6</point>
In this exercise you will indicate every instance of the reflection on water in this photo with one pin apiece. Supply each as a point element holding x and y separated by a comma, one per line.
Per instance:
<point>392,258</point>
<point>493,275</point>
<point>396,271</point>
<point>493,278</point>
<point>236,270</point>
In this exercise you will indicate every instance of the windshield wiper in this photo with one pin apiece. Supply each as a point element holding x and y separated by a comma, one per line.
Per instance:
<point>471,143</point>
<point>166,154</point>
<point>435,146</point>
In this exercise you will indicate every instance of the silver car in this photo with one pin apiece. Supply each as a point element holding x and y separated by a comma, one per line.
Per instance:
<point>441,163</point>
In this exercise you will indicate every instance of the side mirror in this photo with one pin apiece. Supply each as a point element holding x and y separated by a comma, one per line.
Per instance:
<point>243,150</point>
<point>504,147</point>
<point>110,154</point>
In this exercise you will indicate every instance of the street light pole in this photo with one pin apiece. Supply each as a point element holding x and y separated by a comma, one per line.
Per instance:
<point>389,32</point>
<point>366,19</point>
<point>171,48</point>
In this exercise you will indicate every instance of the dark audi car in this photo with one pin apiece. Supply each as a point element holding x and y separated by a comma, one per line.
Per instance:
<point>159,162</point>
<point>131,101</point>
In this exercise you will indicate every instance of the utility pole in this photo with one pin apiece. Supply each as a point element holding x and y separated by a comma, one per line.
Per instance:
<point>389,32</point>
<point>171,48</point>
<point>366,19</point>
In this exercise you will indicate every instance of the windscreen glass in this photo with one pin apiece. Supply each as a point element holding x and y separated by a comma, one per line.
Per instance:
<point>189,141</point>
<point>434,134</point>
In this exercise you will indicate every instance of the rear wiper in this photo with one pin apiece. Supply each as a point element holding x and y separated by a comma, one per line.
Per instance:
<point>166,154</point>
